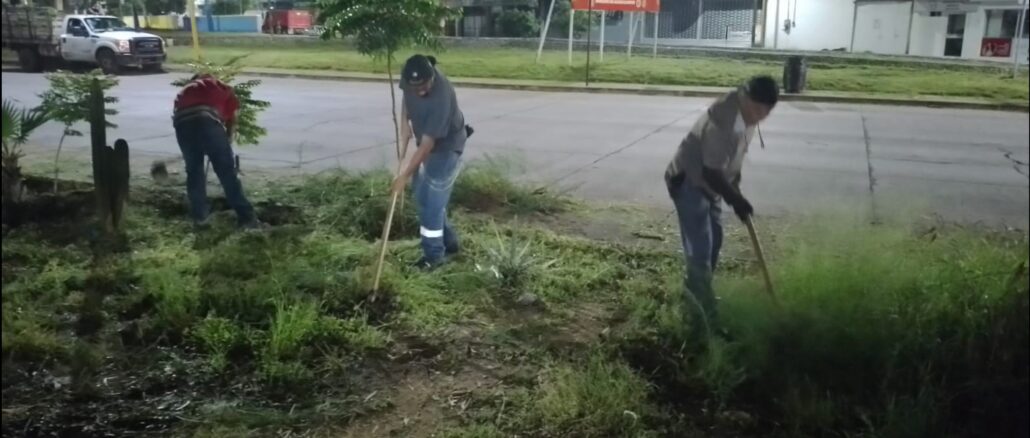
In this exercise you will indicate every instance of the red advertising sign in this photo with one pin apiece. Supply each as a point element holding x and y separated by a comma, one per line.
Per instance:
<point>617,5</point>
<point>996,47</point>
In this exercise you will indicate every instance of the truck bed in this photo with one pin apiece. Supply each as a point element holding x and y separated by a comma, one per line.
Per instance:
<point>29,25</point>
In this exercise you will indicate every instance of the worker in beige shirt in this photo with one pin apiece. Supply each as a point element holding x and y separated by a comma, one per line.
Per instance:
<point>705,170</point>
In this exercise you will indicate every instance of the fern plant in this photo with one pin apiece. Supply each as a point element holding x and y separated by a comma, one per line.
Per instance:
<point>18,125</point>
<point>67,101</point>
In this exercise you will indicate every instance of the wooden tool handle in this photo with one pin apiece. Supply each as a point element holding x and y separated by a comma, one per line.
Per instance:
<point>761,258</point>
<point>386,238</point>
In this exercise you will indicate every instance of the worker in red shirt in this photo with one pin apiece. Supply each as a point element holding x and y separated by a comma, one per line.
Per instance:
<point>204,119</point>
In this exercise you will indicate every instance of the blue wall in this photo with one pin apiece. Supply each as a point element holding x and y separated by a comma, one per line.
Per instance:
<point>225,23</point>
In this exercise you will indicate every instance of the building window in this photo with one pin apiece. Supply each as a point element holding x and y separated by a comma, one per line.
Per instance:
<point>1003,23</point>
<point>955,36</point>
<point>956,24</point>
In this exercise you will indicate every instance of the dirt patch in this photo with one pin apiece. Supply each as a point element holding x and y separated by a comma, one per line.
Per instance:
<point>439,385</point>
<point>277,213</point>
<point>73,203</point>
<point>423,402</point>
<point>651,228</point>
<point>112,402</point>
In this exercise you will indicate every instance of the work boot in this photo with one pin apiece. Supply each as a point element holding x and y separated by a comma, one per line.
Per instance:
<point>424,264</point>
<point>700,303</point>
<point>201,226</point>
<point>252,225</point>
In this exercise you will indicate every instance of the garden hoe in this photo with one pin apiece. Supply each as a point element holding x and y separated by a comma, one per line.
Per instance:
<point>388,224</point>
<point>761,259</point>
<point>382,249</point>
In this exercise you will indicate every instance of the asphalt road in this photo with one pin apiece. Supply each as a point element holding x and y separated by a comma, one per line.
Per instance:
<point>964,165</point>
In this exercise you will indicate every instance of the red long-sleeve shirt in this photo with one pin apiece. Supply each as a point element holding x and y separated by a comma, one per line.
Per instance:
<point>210,92</point>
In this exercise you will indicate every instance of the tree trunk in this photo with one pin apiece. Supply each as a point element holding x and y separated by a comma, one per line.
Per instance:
<point>11,194</point>
<point>396,125</point>
<point>393,109</point>
<point>57,159</point>
<point>119,181</point>
<point>99,155</point>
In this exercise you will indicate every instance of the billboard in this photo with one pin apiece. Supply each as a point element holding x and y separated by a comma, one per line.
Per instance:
<point>617,5</point>
<point>996,47</point>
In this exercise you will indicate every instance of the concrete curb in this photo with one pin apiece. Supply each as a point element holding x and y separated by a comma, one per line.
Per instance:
<point>640,90</point>
<point>644,90</point>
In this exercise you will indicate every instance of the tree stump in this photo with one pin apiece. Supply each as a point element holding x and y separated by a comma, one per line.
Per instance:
<point>110,166</point>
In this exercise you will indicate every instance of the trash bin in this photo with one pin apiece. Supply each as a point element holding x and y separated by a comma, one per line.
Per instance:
<point>795,72</point>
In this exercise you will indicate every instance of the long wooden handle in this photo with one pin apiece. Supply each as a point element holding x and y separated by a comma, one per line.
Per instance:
<point>386,238</point>
<point>761,259</point>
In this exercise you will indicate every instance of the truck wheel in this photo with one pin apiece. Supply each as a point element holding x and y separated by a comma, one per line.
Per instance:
<point>108,61</point>
<point>29,60</point>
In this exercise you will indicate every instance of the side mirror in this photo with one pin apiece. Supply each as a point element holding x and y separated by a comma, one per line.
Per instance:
<point>79,32</point>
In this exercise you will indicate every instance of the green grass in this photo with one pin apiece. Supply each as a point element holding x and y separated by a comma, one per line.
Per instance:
<point>880,329</point>
<point>597,398</point>
<point>823,75</point>
<point>884,331</point>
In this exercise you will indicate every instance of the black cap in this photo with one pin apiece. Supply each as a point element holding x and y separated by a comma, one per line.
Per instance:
<point>763,89</point>
<point>417,69</point>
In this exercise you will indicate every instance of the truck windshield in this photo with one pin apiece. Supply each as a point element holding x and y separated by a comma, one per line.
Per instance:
<point>105,24</point>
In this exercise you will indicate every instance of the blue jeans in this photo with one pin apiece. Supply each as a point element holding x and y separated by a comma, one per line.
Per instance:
<point>432,185</point>
<point>199,137</point>
<point>700,221</point>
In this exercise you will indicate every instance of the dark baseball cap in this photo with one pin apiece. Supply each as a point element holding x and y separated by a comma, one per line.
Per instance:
<point>417,69</point>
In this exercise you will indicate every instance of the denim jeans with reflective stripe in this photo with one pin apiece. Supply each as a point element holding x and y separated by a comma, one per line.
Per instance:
<point>432,185</point>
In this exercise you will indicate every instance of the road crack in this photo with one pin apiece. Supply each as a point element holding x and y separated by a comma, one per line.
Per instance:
<point>620,149</point>
<point>1020,166</point>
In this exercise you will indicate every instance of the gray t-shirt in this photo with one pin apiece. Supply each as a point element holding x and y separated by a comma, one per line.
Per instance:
<point>437,115</point>
<point>719,140</point>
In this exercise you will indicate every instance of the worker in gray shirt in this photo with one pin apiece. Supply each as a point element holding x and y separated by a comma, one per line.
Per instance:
<point>705,170</point>
<point>430,112</point>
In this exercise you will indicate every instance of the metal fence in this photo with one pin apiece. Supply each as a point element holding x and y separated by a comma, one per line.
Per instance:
<point>703,20</point>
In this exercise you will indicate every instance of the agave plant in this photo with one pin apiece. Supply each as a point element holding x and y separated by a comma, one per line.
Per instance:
<point>18,124</point>
<point>513,263</point>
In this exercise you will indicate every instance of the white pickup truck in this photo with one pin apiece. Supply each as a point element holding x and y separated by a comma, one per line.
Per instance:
<point>40,35</point>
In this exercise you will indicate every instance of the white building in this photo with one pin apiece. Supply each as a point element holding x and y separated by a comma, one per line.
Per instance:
<point>971,29</point>
<point>985,29</point>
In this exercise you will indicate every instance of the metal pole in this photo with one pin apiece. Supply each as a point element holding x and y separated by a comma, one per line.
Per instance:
<point>572,19</point>
<point>632,31</point>
<point>754,21</point>
<point>854,23</point>
<point>543,33</point>
<point>700,13</point>
<point>1019,39</point>
<point>776,28</point>
<point>654,50</point>
<point>193,29</point>
<point>908,39</point>
<point>764,20</point>
<point>604,16</point>
<point>590,29</point>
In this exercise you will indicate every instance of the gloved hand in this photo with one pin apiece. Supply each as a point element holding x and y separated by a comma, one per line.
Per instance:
<point>742,208</point>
